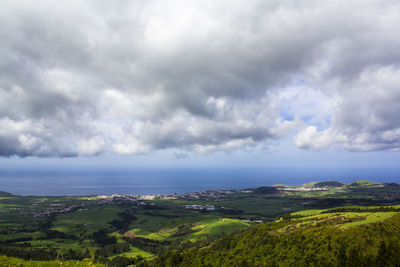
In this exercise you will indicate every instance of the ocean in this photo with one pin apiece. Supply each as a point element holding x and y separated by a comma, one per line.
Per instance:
<point>170,181</point>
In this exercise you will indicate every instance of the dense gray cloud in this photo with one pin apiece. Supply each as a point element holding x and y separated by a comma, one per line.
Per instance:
<point>87,77</point>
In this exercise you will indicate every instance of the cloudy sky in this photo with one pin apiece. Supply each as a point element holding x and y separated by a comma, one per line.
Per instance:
<point>199,82</point>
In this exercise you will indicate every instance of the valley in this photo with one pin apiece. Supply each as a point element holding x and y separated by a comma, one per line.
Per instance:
<point>142,230</point>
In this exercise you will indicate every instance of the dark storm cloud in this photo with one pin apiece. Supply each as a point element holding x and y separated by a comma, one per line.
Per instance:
<point>86,77</point>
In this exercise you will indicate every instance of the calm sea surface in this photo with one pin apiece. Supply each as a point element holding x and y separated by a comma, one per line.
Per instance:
<point>168,181</point>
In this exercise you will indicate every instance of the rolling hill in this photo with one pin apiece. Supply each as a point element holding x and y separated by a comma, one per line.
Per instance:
<point>351,236</point>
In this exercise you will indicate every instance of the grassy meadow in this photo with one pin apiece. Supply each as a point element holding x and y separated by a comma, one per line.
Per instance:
<point>113,229</point>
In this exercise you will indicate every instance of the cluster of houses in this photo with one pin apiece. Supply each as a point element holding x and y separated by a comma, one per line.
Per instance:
<point>134,200</point>
<point>200,207</point>
<point>56,208</point>
<point>206,194</point>
<point>304,189</point>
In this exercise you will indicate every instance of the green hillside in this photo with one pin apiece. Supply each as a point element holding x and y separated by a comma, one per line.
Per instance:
<point>363,183</point>
<point>328,183</point>
<point>5,194</point>
<point>191,228</point>
<point>11,262</point>
<point>358,236</point>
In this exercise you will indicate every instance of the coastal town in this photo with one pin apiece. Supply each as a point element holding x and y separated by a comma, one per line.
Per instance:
<point>146,200</point>
<point>134,200</point>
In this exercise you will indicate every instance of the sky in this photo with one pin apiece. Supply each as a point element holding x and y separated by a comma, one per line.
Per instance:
<point>199,83</point>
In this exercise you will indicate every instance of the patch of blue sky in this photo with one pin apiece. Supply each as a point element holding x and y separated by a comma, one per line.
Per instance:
<point>307,118</point>
<point>288,116</point>
<point>301,82</point>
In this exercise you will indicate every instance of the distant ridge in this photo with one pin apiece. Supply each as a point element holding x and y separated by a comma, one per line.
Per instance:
<point>392,185</point>
<point>323,184</point>
<point>266,190</point>
<point>363,183</point>
<point>332,183</point>
<point>328,183</point>
<point>5,194</point>
<point>280,185</point>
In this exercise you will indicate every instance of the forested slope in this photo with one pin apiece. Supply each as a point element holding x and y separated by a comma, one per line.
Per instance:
<point>327,239</point>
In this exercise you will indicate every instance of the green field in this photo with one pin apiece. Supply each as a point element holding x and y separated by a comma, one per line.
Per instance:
<point>111,228</point>
<point>12,262</point>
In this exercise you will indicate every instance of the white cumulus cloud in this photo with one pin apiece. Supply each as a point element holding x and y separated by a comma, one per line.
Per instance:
<point>92,77</point>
